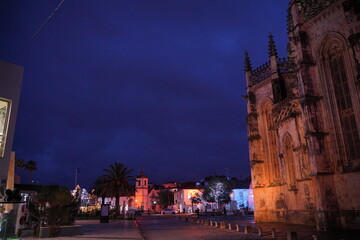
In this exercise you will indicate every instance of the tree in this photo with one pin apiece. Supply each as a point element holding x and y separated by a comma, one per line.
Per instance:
<point>20,163</point>
<point>98,189</point>
<point>218,190</point>
<point>30,166</point>
<point>166,198</point>
<point>195,198</point>
<point>52,205</point>
<point>115,181</point>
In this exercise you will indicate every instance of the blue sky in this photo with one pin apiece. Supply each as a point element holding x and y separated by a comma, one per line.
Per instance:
<point>153,84</point>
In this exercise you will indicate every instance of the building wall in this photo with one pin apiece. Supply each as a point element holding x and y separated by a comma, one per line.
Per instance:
<point>182,199</point>
<point>10,85</point>
<point>154,204</point>
<point>304,120</point>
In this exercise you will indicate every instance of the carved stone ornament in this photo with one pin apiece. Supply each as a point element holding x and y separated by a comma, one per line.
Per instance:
<point>285,110</point>
<point>311,8</point>
<point>335,50</point>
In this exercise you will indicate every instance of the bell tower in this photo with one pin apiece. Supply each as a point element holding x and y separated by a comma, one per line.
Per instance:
<point>142,190</point>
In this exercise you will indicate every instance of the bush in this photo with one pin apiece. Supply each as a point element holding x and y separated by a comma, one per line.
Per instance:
<point>53,206</point>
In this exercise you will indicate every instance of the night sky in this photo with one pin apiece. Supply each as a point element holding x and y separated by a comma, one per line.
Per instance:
<point>153,84</point>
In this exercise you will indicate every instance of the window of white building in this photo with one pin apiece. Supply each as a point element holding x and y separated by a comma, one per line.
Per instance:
<point>4,119</point>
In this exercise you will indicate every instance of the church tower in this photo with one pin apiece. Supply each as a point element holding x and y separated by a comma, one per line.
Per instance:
<point>142,190</point>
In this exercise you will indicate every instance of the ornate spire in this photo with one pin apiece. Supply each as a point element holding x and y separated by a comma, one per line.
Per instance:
<point>247,62</point>
<point>289,19</point>
<point>272,47</point>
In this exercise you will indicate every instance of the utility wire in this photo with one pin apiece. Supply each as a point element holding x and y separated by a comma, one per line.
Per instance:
<point>39,29</point>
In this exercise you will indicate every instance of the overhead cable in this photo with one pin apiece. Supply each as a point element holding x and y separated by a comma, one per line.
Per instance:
<point>39,29</point>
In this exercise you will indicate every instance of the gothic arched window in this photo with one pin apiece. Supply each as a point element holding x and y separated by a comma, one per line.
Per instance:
<point>341,96</point>
<point>289,160</point>
<point>345,107</point>
<point>270,145</point>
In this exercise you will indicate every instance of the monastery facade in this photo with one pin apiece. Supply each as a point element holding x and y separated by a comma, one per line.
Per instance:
<point>304,119</point>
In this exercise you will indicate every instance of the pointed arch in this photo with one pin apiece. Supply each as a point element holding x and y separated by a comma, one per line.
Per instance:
<point>341,98</point>
<point>270,140</point>
<point>289,159</point>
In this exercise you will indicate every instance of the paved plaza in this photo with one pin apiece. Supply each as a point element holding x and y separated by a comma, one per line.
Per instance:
<point>170,227</point>
<point>92,229</point>
<point>281,229</point>
<point>161,227</point>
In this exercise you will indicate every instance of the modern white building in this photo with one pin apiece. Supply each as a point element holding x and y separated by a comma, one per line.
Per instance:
<point>10,84</point>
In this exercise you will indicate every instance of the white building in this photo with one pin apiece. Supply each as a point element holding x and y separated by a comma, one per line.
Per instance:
<point>10,85</point>
<point>241,197</point>
<point>183,200</point>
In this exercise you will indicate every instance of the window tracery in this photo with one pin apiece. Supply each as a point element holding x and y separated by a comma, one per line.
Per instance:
<point>270,142</point>
<point>289,160</point>
<point>338,80</point>
<point>345,107</point>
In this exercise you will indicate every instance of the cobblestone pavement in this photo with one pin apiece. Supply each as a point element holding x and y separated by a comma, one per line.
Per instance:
<point>168,227</point>
<point>281,229</point>
<point>92,229</point>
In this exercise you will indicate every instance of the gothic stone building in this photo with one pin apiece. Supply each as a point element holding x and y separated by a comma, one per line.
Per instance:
<point>304,119</point>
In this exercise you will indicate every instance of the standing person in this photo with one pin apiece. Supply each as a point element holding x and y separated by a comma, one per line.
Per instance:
<point>149,212</point>
<point>224,211</point>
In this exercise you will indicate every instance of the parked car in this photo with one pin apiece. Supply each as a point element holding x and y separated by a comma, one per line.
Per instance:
<point>136,212</point>
<point>168,211</point>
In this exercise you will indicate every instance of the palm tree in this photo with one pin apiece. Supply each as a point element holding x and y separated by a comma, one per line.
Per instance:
<point>98,189</point>
<point>195,198</point>
<point>115,181</point>
<point>20,163</point>
<point>30,166</point>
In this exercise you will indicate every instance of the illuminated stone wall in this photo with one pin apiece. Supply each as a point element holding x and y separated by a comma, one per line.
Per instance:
<point>304,120</point>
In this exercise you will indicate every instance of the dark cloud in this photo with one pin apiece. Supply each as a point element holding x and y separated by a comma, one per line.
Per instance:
<point>153,84</point>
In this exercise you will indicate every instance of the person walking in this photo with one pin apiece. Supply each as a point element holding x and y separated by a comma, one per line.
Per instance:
<point>197,212</point>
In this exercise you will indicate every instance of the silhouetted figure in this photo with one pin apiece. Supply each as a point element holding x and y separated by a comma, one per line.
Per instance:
<point>224,211</point>
<point>149,212</point>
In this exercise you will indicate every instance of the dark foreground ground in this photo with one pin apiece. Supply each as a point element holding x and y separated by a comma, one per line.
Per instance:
<point>169,227</point>
<point>281,229</point>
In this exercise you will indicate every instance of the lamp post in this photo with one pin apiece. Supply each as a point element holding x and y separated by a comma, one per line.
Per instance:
<point>77,170</point>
